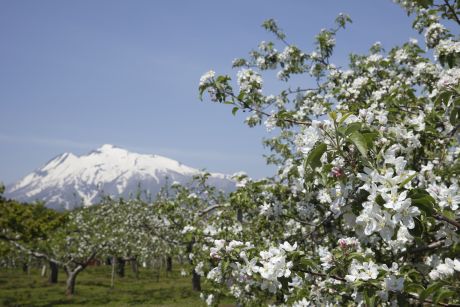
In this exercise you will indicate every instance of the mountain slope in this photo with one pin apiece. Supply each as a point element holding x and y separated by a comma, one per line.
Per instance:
<point>69,181</point>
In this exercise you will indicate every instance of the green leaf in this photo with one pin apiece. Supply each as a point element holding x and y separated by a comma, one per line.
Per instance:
<point>344,117</point>
<point>425,3</point>
<point>407,180</point>
<point>234,110</point>
<point>402,300</point>
<point>307,263</point>
<point>449,214</point>
<point>414,288</point>
<point>442,294</point>
<point>425,203</point>
<point>369,297</point>
<point>315,155</point>
<point>418,230</point>
<point>430,290</point>
<point>417,193</point>
<point>357,256</point>
<point>333,115</point>
<point>352,128</point>
<point>360,142</point>
<point>454,117</point>
<point>370,137</point>
<point>443,97</point>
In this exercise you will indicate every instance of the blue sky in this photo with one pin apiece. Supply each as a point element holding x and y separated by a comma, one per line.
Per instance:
<point>78,74</point>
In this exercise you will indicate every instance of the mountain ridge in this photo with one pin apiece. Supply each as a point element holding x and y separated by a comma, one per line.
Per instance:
<point>68,181</point>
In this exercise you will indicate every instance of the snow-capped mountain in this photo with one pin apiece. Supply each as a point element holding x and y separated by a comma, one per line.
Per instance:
<point>69,181</point>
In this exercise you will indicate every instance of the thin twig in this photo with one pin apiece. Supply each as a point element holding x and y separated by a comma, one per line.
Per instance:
<point>452,10</point>
<point>430,301</point>
<point>441,217</point>
<point>323,275</point>
<point>420,249</point>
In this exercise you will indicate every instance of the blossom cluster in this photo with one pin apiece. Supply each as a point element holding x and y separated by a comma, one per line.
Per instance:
<point>367,174</point>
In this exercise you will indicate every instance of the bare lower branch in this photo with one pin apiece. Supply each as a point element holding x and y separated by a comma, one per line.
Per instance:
<point>35,253</point>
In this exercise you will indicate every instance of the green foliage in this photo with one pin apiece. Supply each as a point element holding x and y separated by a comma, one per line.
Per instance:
<point>28,222</point>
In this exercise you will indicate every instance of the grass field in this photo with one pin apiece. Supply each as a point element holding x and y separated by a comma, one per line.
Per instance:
<point>93,289</point>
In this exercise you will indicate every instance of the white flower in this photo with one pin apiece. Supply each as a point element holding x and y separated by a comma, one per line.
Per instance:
<point>215,274</point>
<point>233,244</point>
<point>273,265</point>
<point>302,303</point>
<point>403,235</point>
<point>288,247</point>
<point>192,195</point>
<point>394,200</point>
<point>364,271</point>
<point>449,78</point>
<point>249,81</point>
<point>373,219</point>
<point>418,121</point>
<point>324,197</point>
<point>447,47</point>
<point>270,122</point>
<point>199,268</point>
<point>392,283</point>
<point>445,269</point>
<point>218,245</point>
<point>449,197</point>
<point>188,228</point>
<point>308,138</point>
<point>326,257</point>
<point>265,209</point>
<point>210,299</point>
<point>434,33</point>
<point>207,77</point>
<point>401,55</point>
<point>405,215</point>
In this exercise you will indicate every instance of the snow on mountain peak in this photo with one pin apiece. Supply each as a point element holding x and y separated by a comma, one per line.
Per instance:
<point>68,180</point>
<point>106,147</point>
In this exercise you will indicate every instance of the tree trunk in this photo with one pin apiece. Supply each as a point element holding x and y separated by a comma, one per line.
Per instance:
<point>72,276</point>
<point>135,267</point>
<point>196,281</point>
<point>114,260</point>
<point>54,270</point>
<point>70,284</point>
<point>120,267</point>
<point>168,264</point>
<point>239,215</point>
<point>43,274</point>
<point>159,265</point>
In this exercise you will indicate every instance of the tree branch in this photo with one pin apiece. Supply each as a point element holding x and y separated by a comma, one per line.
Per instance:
<point>441,217</point>
<point>430,301</point>
<point>237,101</point>
<point>452,10</point>
<point>34,253</point>
<point>209,209</point>
<point>324,275</point>
<point>420,249</point>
